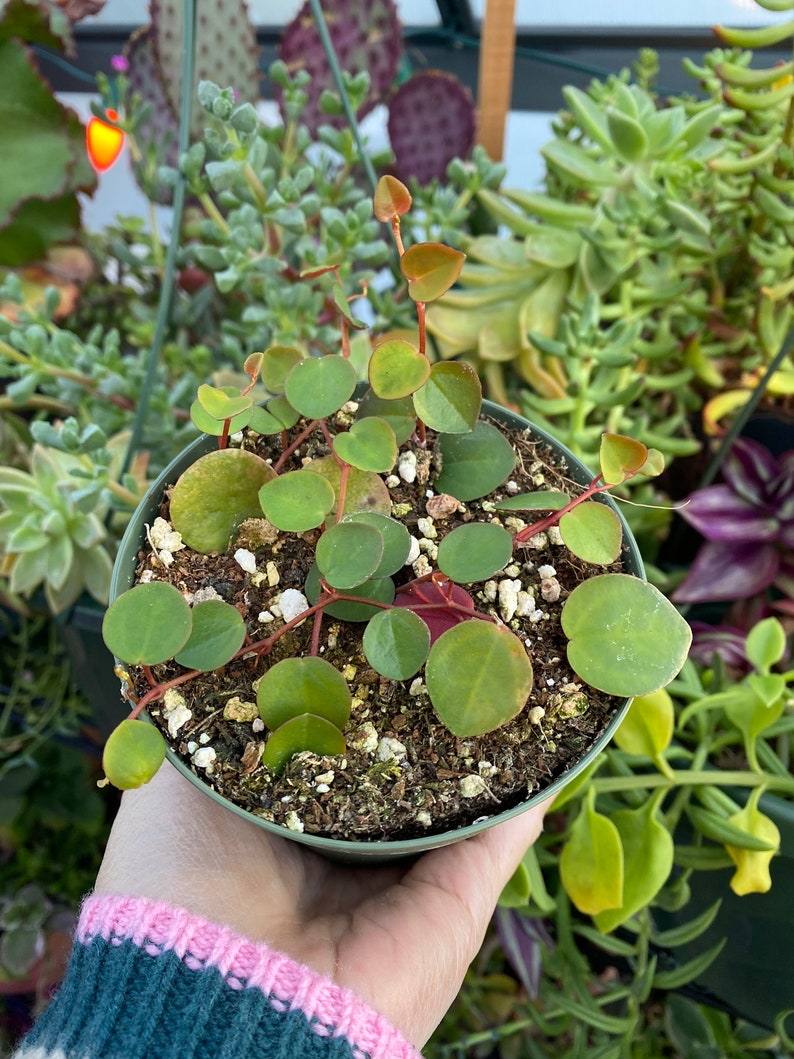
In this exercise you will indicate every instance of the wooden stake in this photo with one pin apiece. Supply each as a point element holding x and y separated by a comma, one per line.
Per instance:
<point>495,81</point>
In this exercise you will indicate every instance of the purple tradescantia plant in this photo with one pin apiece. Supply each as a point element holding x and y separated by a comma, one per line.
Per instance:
<point>748,523</point>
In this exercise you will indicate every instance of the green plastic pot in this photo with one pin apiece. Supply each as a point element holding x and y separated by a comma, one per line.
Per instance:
<point>339,849</point>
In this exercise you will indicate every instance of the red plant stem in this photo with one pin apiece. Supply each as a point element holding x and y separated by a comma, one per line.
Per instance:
<point>552,520</point>
<point>223,440</point>
<point>395,227</point>
<point>420,319</point>
<point>316,627</point>
<point>344,476</point>
<point>296,444</point>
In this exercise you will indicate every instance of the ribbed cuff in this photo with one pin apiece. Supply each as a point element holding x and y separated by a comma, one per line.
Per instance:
<point>150,979</point>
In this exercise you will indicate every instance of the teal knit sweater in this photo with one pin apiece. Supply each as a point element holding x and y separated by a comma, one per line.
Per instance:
<point>149,980</point>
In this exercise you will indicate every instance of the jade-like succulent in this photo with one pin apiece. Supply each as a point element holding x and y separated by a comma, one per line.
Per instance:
<point>625,638</point>
<point>652,272</point>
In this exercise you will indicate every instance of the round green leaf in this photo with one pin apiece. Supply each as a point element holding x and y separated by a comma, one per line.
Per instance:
<point>305,732</point>
<point>223,402</point>
<point>474,551</point>
<point>620,457</point>
<point>478,677</point>
<point>319,386</point>
<point>625,637</point>
<point>392,199</point>
<point>451,399</point>
<point>379,589</point>
<point>765,644</point>
<point>369,445</point>
<point>277,363</point>
<point>296,501</point>
<point>277,415</point>
<point>215,494</point>
<point>366,490</point>
<point>474,464</point>
<point>647,861</point>
<point>297,686</point>
<point>396,540</point>
<point>349,553</point>
<point>592,531</point>
<point>148,624</point>
<point>399,414</point>
<point>217,635</point>
<point>396,643</point>
<point>208,423</point>
<point>591,862</point>
<point>133,754</point>
<point>397,369</point>
<point>541,500</point>
<point>431,269</point>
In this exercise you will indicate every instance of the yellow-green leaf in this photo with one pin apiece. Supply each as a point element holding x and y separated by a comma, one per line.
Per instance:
<point>591,862</point>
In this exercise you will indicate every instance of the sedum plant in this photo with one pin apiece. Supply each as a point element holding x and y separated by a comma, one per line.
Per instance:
<point>338,504</point>
<point>648,281</point>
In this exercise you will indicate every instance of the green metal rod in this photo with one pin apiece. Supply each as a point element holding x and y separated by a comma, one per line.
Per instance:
<point>336,73</point>
<point>169,272</point>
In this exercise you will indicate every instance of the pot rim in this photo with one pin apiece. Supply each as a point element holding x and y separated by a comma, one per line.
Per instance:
<point>361,850</point>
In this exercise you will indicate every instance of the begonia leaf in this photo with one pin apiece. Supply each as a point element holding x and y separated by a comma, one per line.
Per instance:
<point>379,589</point>
<point>277,363</point>
<point>274,417</point>
<point>396,540</point>
<point>369,445</point>
<point>620,457</point>
<point>209,423</point>
<point>366,490</point>
<point>392,199</point>
<point>399,413</point>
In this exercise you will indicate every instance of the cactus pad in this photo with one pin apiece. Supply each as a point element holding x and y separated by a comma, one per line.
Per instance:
<point>226,51</point>
<point>366,35</point>
<point>431,121</point>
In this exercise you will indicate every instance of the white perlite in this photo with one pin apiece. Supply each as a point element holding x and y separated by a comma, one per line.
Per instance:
<point>546,571</point>
<point>472,786</point>
<point>202,595</point>
<point>391,748</point>
<point>164,537</point>
<point>175,711</point>
<point>204,757</point>
<point>508,598</point>
<point>406,467</point>
<point>292,604</point>
<point>245,560</point>
<point>293,822</point>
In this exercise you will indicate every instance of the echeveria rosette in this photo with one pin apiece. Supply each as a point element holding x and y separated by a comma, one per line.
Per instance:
<point>748,523</point>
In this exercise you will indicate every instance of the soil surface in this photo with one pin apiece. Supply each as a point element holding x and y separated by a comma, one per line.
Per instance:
<point>404,774</point>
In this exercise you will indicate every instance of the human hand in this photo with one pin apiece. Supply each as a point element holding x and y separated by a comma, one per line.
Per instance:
<point>400,937</point>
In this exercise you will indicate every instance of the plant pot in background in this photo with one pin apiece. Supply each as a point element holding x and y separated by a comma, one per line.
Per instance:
<point>368,851</point>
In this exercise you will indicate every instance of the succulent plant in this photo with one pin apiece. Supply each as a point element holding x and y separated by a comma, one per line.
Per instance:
<point>662,218</point>
<point>225,51</point>
<point>367,38</point>
<point>338,506</point>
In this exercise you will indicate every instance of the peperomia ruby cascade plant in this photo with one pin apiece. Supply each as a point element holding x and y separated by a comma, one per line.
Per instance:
<point>624,637</point>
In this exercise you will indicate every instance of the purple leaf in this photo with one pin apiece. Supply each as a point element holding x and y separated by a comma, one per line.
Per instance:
<point>523,940</point>
<point>437,618</point>
<point>727,641</point>
<point>727,572</point>
<point>720,515</point>
<point>748,468</point>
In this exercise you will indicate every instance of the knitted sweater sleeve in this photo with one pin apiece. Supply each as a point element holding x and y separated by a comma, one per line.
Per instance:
<point>147,979</point>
